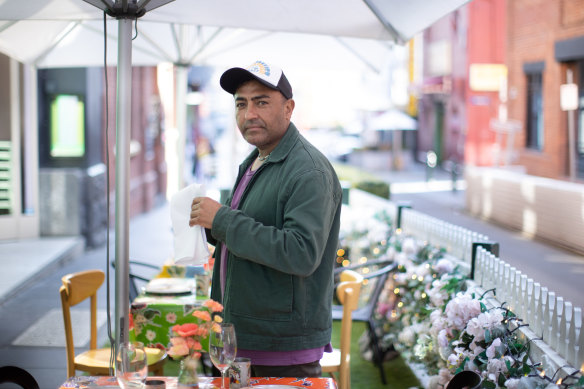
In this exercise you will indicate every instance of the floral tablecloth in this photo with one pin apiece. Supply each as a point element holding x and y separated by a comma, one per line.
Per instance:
<point>82,382</point>
<point>152,317</point>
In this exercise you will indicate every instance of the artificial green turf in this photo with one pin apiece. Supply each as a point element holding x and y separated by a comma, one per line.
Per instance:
<point>364,374</point>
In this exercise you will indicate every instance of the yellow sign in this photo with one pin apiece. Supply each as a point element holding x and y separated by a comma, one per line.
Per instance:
<point>486,77</point>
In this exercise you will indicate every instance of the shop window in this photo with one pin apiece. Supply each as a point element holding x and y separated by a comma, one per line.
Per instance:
<point>534,121</point>
<point>534,111</point>
<point>67,126</point>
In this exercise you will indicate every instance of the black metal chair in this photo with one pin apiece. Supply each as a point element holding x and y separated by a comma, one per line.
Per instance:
<point>366,312</point>
<point>139,278</point>
<point>19,376</point>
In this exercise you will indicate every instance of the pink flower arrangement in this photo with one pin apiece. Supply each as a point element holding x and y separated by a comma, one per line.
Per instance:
<point>186,339</point>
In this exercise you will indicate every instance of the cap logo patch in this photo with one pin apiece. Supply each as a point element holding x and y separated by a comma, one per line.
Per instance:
<point>260,68</point>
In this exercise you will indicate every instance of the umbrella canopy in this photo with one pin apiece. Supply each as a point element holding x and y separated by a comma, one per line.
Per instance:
<point>392,120</point>
<point>56,33</point>
<point>31,31</point>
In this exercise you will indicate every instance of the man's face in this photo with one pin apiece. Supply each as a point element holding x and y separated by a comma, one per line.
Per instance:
<point>262,114</point>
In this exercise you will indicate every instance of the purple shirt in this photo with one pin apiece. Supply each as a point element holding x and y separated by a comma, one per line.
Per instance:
<point>260,357</point>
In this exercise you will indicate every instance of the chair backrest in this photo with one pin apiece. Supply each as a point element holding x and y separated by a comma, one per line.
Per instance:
<point>18,376</point>
<point>380,277</point>
<point>138,279</point>
<point>76,288</point>
<point>348,293</point>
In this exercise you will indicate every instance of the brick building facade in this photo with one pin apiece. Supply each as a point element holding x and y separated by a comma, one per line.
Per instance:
<point>493,72</point>
<point>545,42</point>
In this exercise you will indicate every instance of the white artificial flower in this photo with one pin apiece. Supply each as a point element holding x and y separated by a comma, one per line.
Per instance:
<point>433,382</point>
<point>401,278</point>
<point>437,322</point>
<point>492,349</point>
<point>442,338</point>
<point>512,383</point>
<point>476,349</point>
<point>444,376</point>
<point>409,246</point>
<point>475,329</point>
<point>495,367</point>
<point>461,309</point>
<point>407,337</point>
<point>443,266</point>
<point>402,259</point>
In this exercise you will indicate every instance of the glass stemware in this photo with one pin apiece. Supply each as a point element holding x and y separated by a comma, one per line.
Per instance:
<point>131,365</point>
<point>223,348</point>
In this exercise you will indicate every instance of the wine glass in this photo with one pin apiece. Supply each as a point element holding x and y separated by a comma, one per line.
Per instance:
<point>131,365</point>
<point>222,348</point>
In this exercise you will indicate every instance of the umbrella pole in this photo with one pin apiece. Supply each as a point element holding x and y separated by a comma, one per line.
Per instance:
<point>122,199</point>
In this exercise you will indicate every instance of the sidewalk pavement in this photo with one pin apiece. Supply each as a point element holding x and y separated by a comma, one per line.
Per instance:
<point>23,261</point>
<point>31,332</point>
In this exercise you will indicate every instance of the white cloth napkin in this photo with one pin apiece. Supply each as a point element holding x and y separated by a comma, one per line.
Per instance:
<point>190,243</point>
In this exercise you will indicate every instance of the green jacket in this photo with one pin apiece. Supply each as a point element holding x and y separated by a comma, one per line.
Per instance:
<point>282,244</point>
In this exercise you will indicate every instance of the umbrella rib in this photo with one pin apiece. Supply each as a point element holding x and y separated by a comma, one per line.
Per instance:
<point>239,44</point>
<point>205,44</point>
<point>388,26</point>
<point>160,50</point>
<point>113,38</point>
<point>58,39</point>
<point>176,41</point>
<point>352,51</point>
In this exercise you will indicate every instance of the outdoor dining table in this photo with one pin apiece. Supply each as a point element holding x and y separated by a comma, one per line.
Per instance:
<point>154,313</point>
<point>103,382</point>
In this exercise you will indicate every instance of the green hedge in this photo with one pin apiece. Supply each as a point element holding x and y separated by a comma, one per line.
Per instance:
<point>363,180</point>
<point>377,188</point>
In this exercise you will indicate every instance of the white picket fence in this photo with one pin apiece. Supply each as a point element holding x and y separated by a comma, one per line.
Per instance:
<point>456,240</point>
<point>556,322</point>
<point>554,325</point>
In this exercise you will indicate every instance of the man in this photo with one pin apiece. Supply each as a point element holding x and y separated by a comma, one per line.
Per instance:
<point>277,238</point>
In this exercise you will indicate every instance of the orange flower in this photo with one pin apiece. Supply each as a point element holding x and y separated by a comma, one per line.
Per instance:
<point>179,348</point>
<point>213,305</point>
<point>187,329</point>
<point>203,315</point>
<point>188,337</point>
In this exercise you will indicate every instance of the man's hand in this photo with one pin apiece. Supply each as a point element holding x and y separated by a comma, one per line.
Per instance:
<point>203,211</point>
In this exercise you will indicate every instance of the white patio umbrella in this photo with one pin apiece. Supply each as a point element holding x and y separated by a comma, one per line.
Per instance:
<point>392,119</point>
<point>32,31</point>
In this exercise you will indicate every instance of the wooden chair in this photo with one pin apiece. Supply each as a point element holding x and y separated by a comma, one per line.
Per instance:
<point>76,288</point>
<point>339,360</point>
<point>366,312</point>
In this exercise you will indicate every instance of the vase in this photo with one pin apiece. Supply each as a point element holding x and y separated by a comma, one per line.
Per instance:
<point>187,375</point>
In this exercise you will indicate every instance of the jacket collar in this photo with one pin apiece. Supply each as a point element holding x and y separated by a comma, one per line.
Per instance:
<point>282,149</point>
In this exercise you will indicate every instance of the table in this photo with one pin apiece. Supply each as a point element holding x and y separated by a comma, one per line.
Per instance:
<point>82,382</point>
<point>153,315</point>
